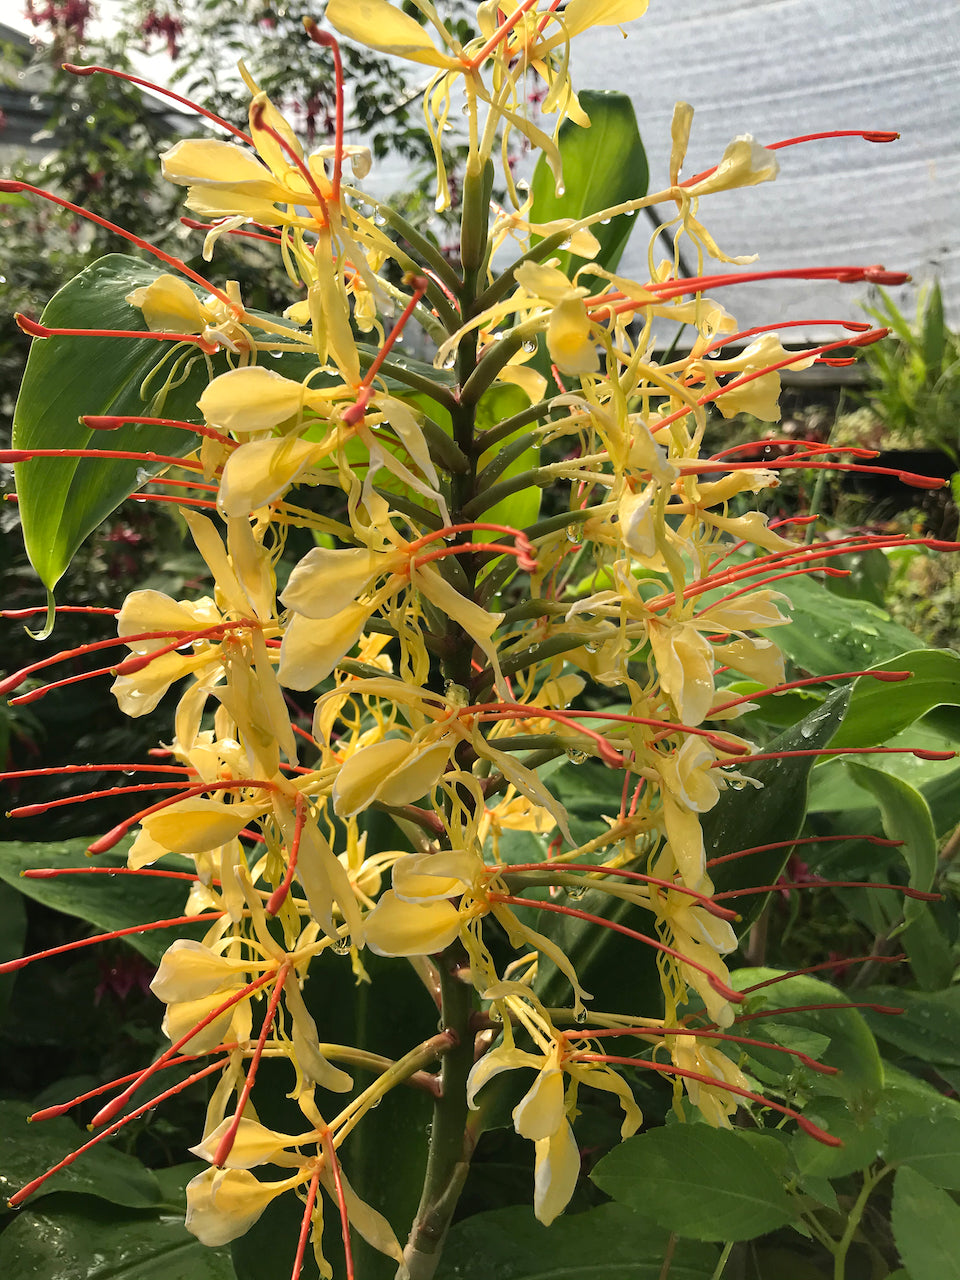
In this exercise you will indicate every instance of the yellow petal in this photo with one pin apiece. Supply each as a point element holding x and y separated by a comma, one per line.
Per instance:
<point>195,825</point>
<point>541,1111</point>
<point>261,471</point>
<point>685,665</point>
<point>311,649</point>
<point>208,162</point>
<point>744,164</point>
<point>579,15</point>
<point>169,304</point>
<point>395,928</point>
<point>251,399</point>
<point>379,25</point>
<point>326,581</point>
<point>570,338</point>
<point>395,772</point>
<point>181,1015</point>
<point>254,1144</point>
<point>190,971</point>
<point>223,1204</point>
<point>556,1173</point>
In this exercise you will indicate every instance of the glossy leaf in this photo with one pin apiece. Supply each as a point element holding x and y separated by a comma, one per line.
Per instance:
<point>878,710</point>
<point>751,817</point>
<point>671,1174</point>
<point>27,1150</point>
<point>852,1049</point>
<point>831,634</point>
<point>929,1026</point>
<point>61,500</point>
<point>926,1228</point>
<point>603,166</point>
<point>107,902</point>
<point>907,818</point>
<point>861,1136</point>
<point>89,1240</point>
<point>610,1242</point>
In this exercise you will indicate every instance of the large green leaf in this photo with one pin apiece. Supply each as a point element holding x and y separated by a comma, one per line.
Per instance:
<point>603,166</point>
<point>929,1026</point>
<point>928,1144</point>
<point>926,1227</point>
<point>748,817</point>
<point>708,1184</point>
<point>78,1238</point>
<point>610,1242</point>
<point>830,633</point>
<point>109,902</point>
<point>879,710</point>
<point>27,1150</point>
<point>62,499</point>
<point>852,1049</point>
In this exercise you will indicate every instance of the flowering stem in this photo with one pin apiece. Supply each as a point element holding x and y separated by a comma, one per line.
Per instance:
<point>448,1159</point>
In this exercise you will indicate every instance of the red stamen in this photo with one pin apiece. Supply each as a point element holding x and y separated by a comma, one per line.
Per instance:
<point>714,1083</point>
<point>327,41</point>
<point>117,833</point>
<point>48,873</point>
<point>891,676</point>
<point>10,965</point>
<point>226,1142</point>
<point>95,768</point>
<point>703,1034</point>
<point>177,263</point>
<point>305,1224</point>
<point>331,1156</point>
<point>111,422</point>
<point>105,1114</point>
<point>812,1008</point>
<point>278,897</point>
<point>21,1195</point>
<point>355,412</point>
<point>471,64</point>
<point>61,1109</point>
<point>26,455</point>
<point>920,754</point>
<point>196,225</point>
<point>92,610</point>
<point>826,964</point>
<point>830,884</point>
<point>167,93</point>
<point>720,987</point>
<point>789,844</point>
<point>36,330</point>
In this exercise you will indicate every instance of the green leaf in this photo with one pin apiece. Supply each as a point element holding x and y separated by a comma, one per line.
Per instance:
<point>13,930</point>
<point>861,1137</point>
<point>907,818</point>
<point>603,166</point>
<point>852,1049</point>
<point>878,710</point>
<point>708,1184</point>
<point>518,510</point>
<point>750,817</point>
<point>832,634</point>
<point>109,902</point>
<point>26,1151</point>
<point>93,1241</point>
<point>607,1243</point>
<point>926,1228</point>
<point>930,1145</point>
<point>61,500</point>
<point>928,1028</point>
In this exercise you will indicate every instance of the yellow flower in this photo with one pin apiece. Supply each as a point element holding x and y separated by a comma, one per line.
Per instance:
<point>223,1204</point>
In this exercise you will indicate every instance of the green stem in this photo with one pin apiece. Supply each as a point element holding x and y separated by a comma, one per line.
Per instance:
<point>487,439</point>
<point>490,364</point>
<point>842,1246</point>
<point>430,253</point>
<point>509,453</point>
<point>504,283</point>
<point>473,509</point>
<point>449,1156</point>
<point>415,381</point>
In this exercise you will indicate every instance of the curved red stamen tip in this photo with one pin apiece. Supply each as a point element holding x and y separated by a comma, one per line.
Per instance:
<point>815,1131</point>
<point>76,70</point>
<point>889,675</point>
<point>27,325</point>
<point>9,186</point>
<point>107,842</point>
<point>882,135</point>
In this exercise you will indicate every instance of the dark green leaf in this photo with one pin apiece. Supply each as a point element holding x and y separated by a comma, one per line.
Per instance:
<point>852,1049</point>
<point>879,710</point>
<point>750,817</point>
<point>603,166</point>
<point>928,1028</point>
<point>674,1176</point>
<point>26,1151</point>
<point>907,818</point>
<point>105,901</point>
<point>73,1239</point>
<point>926,1228</point>
<point>832,634</point>
<point>62,499</point>
<point>930,1145</point>
<point>13,929</point>
<point>862,1138</point>
<point>607,1243</point>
